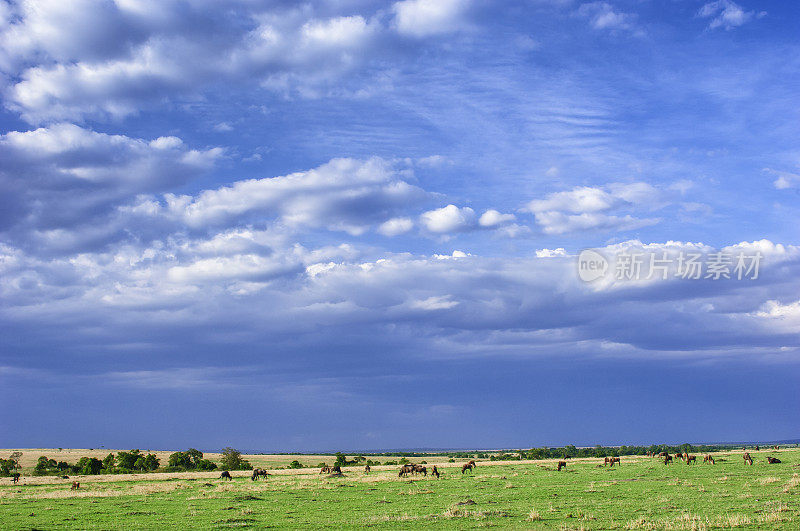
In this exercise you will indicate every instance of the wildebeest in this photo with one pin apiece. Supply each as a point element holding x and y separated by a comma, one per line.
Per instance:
<point>434,472</point>
<point>366,469</point>
<point>420,469</point>
<point>678,457</point>
<point>405,470</point>
<point>708,458</point>
<point>663,454</point>
<point>15,477</point>
<point>257,473</point>
<point>562,464</point>
<point>747,459</point>
<point>691,459</point>
<point>226,475</point>
<point>757,448</point>
<point>75,486</point>
<point>473,463</point>
<point>775,447</point>
<point>773,460</point>
<point>64,477</point>
<point>335,469</point>
<point>667,459</point>
<point>467,466</point>
<point>606,460</point>
<point>325,469</point>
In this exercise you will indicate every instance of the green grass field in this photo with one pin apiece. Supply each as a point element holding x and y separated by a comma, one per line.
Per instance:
<point>641,494</point>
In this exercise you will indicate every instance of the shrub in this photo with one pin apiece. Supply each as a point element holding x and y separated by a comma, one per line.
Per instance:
<point>232,460</point>
<point>295,464</point>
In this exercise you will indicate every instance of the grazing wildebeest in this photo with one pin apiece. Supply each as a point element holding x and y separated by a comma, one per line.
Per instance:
<point>325,470</point>
<point>606,460</point>
<point>747,459</point>
<point>15,477</point>
<point>663,454</point>
<point>467,466</point>
<point>667,459</point>
<point>226,475</point>
<point>336,469</point>
<point>691,459</point>
<point>257,473</point>
<point>421,469</point>
<point>434,472</point>
<point>757,448</point>
<point>405,470</point>
<point>366,469</point>
<point>708,458</point>
<point>64,477</point>
<point>678,457</point>
<point>473,463</point>
<point>75,486</point>
<point>773,460</point>
<point>562,464</point>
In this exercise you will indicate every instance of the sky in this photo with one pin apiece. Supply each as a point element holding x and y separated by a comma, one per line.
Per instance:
<point>354,225</point>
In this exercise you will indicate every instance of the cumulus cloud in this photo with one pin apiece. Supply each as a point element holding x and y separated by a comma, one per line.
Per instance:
<point>396,226</point>
<point>725,14</point>
<point>344,195</point>
<point>63,176</point>
<point>103,59</point>
<point>420,18</point>
<point>448,219</point>
<point>590,208</point>
<point>784,179</point>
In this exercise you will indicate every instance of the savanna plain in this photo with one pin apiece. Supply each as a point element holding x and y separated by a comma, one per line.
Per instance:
<point>639,493</point>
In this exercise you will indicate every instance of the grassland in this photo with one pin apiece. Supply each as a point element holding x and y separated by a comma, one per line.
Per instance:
<point>641,494</point>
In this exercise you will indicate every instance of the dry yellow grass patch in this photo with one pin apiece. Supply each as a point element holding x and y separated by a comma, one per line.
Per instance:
<point>794,482</point>
<point>691,522</point>
<point>534,515</point>
<point>770,479</point>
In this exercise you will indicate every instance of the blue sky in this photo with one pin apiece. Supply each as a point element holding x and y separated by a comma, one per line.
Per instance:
<point>354,224</point>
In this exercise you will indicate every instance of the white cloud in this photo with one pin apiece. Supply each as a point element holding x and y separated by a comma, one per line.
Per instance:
<point>448,219</point>
<point>588,208</point>
<point>725,13</point>
<point>603,16</point>
<point>396,226</point>
<point>785,179</point>
<point>550,253</point>
<point>420,18</point>
<point>493,218</point>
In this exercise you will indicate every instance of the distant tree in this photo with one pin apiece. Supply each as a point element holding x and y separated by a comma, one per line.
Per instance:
<point>15,457</point>
<point>109,461</point>
<point>151,462</point>
<point>341,459</point>
<point>127,460</point>
<point>232,460</point>
<point>88,466</point>
<point>295,464</point>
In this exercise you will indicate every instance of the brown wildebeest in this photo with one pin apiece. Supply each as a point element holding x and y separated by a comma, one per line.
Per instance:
<point>335,469</point>
<point>667,459</point>
<point>562,464</point>
<point>679,457</point>
<point>421,469</point>
<point>15,477</point>
<point>606,460</point>
<point>257,473</point>
<point>757,448</point>
<point>75,486</point>
<point>405,470</point>
<point>325,470</point>
<point>773,460</point>
<point>708,458</point>
<point>663,454</point>
<point>467,466</point>
<point>226,475</point>
<point>473,463</point>
<point>775,447</point>
<point>747,459</point>
<point>691,459</point>
<point>616,460</point>
<point>366,469</point>
<point>434,472</point>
